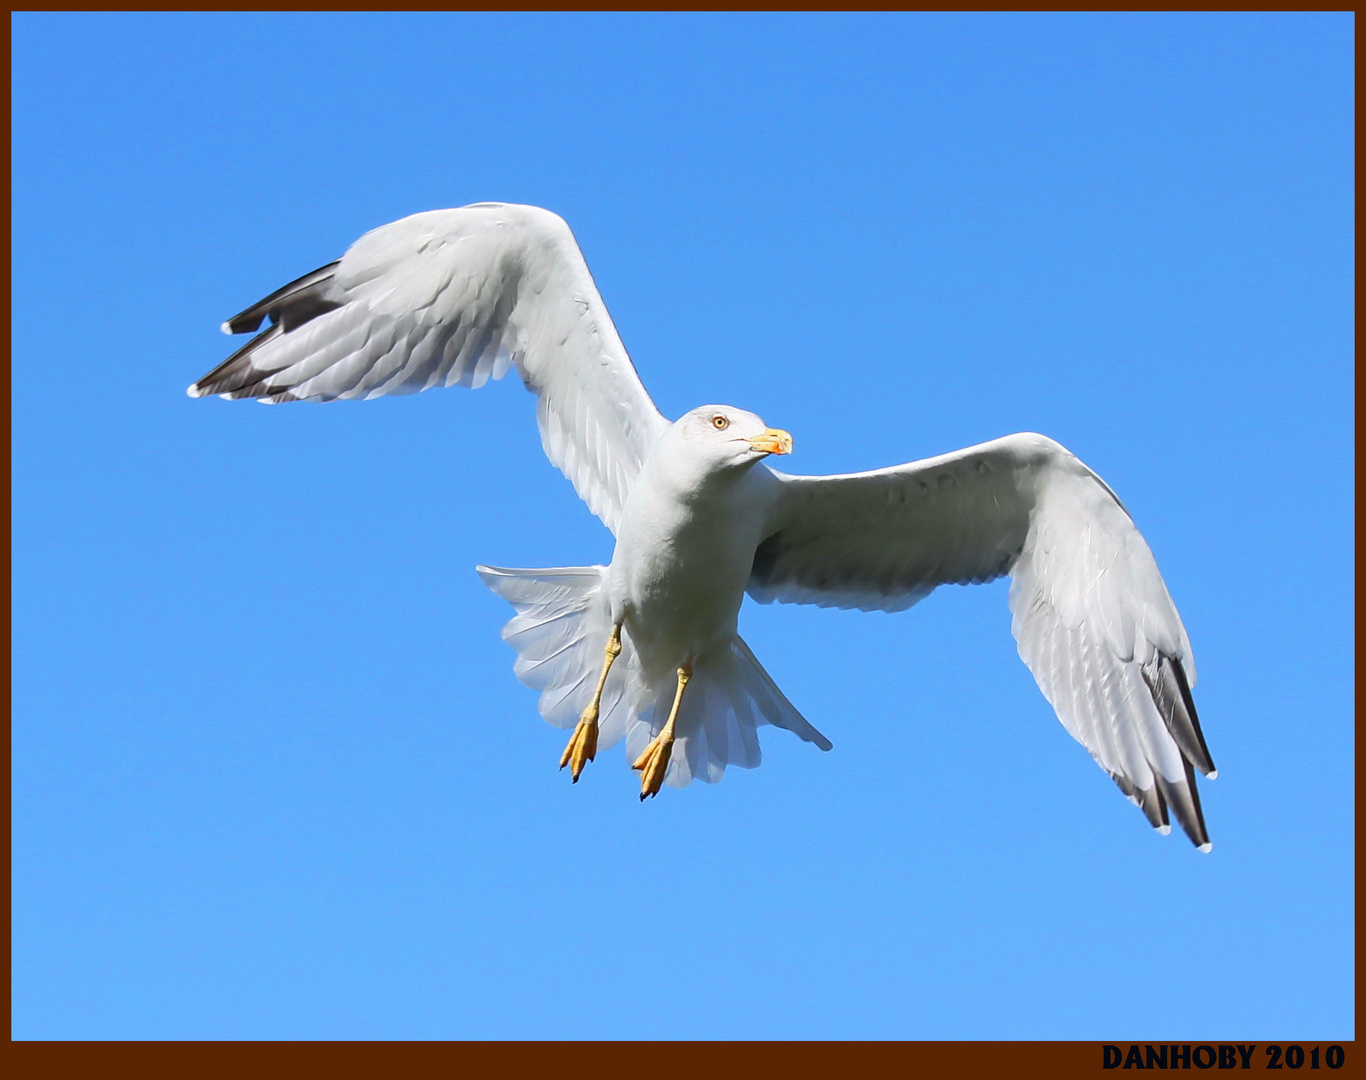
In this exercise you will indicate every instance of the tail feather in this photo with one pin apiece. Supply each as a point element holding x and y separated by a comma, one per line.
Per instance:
<point>563,620</point>
<point>561,625</point>
<point>773,703</point>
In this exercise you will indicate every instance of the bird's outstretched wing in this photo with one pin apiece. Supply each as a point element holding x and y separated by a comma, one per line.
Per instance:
<point>456,297</point>
<point>1091,614</point>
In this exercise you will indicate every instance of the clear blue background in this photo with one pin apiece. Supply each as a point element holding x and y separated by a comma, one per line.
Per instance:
<point>273,776</point>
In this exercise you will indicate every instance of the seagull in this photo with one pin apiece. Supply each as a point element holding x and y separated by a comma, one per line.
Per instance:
<point>647,649</point>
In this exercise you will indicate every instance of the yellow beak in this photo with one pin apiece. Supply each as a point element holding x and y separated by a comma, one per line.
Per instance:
<point>772,441</point>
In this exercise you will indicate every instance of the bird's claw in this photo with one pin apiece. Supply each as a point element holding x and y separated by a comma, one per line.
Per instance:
<point>653,763</point>
<point>583,744</point>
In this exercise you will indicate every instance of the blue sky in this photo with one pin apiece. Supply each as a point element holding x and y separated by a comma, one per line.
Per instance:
<point>273,776</point>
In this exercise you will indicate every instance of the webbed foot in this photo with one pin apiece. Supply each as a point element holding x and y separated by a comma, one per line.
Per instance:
<point>654,762</point>
<point>583,744</point>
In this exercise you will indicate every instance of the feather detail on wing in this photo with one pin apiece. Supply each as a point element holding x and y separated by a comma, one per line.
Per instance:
<point>458,297</point>
<point>1091,614</point>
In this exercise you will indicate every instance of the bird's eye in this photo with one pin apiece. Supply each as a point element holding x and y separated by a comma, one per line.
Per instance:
<point>719,422</point>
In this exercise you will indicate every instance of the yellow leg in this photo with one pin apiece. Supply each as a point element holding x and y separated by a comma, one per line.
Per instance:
<point>655,760</point>
<point>583,744</point>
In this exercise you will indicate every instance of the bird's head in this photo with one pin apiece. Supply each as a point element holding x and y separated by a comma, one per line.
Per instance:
<point>722,437</point>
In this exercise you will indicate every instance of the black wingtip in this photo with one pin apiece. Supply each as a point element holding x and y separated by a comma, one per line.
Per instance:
<point>1207,766</point>
<point>288,308</point>
<point>293,304</point>
<point>1184,798</point>
<point>1171,693</point>
<point>236,372</point>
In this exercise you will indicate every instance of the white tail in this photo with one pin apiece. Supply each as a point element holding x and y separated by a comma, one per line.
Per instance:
<point>562,623</point>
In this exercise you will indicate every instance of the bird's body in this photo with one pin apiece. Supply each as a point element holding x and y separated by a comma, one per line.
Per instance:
<point>647,649</point>
<point>684,553</point>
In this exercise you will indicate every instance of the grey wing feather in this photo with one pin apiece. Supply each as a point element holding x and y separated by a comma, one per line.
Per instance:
<point>1090,612</point>
<point>455,298</point>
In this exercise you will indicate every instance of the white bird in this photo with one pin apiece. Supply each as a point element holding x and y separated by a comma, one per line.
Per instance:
<point>647,648</point>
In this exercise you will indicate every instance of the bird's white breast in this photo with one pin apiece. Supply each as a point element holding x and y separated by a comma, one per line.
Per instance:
<point>683,557</point>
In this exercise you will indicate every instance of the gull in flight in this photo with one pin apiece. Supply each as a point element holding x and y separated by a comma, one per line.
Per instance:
<point>647,649</point>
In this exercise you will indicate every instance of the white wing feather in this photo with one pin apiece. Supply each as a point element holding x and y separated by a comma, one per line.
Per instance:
<point>1091,614</point>
<point>457,297</point>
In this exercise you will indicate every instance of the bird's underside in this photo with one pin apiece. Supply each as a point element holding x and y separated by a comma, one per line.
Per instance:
<point>456,297</point>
